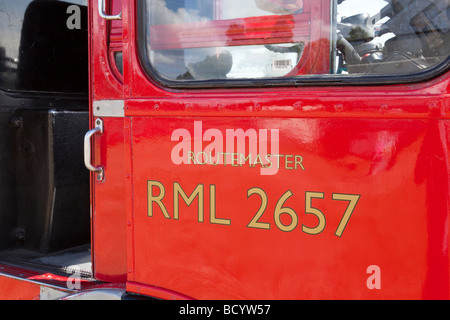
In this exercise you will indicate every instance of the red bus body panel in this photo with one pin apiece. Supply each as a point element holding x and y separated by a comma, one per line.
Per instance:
<point>366,168</point>
<point>397,164</point>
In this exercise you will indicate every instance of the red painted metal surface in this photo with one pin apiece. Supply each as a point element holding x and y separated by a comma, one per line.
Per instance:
<point>108,203</point>
<point>358,207</point>
<point>398,167</point>
<point>18,283</point>
<point>13,289</point>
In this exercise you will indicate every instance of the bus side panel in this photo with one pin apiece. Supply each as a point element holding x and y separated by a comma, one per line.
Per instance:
<point>356,208</point>
<point>349,208</point>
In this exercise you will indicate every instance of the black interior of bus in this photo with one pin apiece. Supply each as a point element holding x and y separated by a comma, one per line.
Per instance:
<point>44,114</point>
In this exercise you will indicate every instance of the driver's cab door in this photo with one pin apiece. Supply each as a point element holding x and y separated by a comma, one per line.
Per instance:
<point>104,144</point>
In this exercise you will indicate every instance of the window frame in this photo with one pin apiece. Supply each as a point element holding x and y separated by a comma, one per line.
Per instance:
<point>321,80</point>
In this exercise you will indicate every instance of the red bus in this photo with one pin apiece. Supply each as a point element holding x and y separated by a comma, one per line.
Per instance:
<point>260,149</point>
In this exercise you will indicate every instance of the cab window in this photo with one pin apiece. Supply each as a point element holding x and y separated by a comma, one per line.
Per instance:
<point>220,42</point>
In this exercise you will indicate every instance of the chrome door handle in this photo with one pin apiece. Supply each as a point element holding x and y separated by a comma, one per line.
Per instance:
<point>87,149</point>
<point>101,12</point>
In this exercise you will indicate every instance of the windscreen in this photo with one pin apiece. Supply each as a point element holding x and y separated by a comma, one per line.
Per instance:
<point>201,40</point>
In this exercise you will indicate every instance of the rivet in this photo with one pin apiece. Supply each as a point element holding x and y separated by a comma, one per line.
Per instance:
<point>433,106</point>
<point>338,107</point>
<point>298,105</point>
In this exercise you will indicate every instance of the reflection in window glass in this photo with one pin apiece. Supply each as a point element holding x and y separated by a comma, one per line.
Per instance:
<point>190,40</point>
<point>38,50</point>
<point>193,39</point>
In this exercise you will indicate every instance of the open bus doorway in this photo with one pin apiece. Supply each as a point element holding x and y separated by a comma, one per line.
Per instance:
<point>44,114</point>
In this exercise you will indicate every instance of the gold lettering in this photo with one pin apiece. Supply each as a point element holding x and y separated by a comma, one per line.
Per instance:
<point>211,158</point>
<point>198,191</point>
<point>191,156</point>
<point>202,155</point>
<point>244,159</point>
<point>157,199</point>
<point>298,161</point>
<point>258,160</point>
<point>212,208</point>
<point>268,160</point>
<point>278,156</point>
<point>235,160</point>
<point>225,154</point>
<point>287,161</point>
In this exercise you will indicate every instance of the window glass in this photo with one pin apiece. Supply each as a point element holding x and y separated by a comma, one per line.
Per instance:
<point>197,40</point>
<point>43,46</point>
